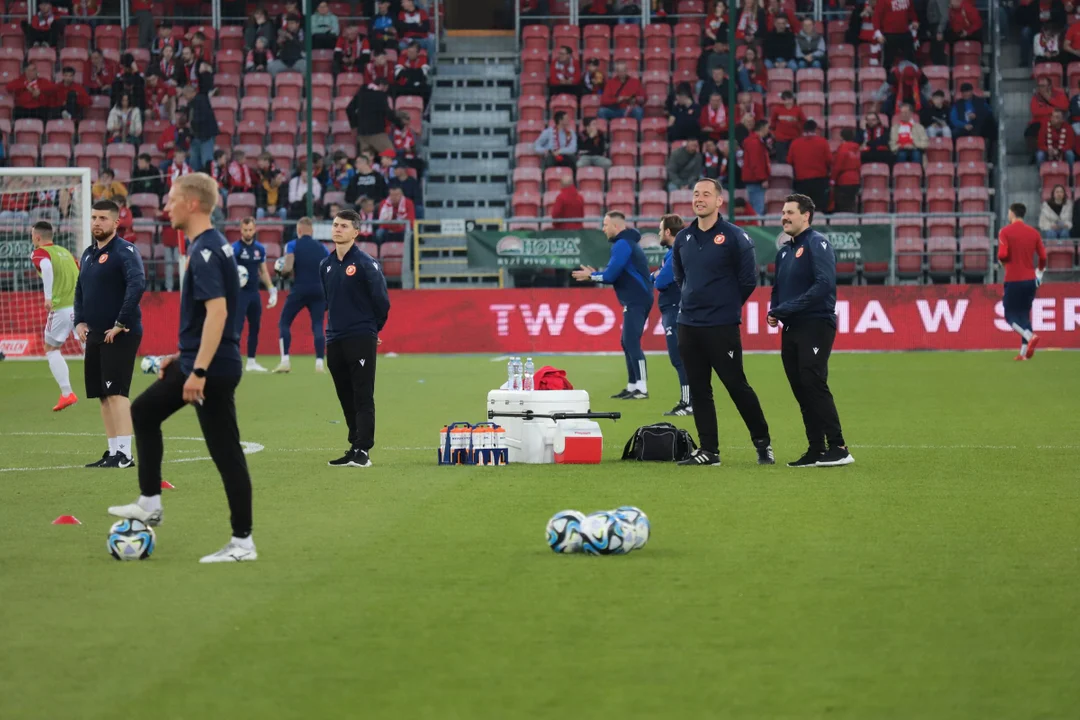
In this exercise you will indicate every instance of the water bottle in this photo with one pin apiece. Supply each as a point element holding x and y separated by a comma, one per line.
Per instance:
<point>527,376</point>
<point>511,367</point>
<point>517,373</point>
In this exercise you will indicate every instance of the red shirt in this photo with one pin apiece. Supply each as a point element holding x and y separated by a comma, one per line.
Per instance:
<point>405,210</point>
<point>142,6</point>
<point>1062,139</point>
<point>414,24</point>
<point>1072,37</point>
<point>1018,243</point>
<point>786,123</point>
<point>847,164</point>
<point>1041,109</point>
<point>564,73</point>
<point>60,93</point>
<point>756,166</point>
<point>810,157</point>
<point>125,222</point>
<point>893,17</point>
<point>965,20</point>
<point>747,216</point>
<point>715,119</point>
<point>240,178</point>
<point>352,52</point>
<point>102,78</point>
<point>568,204</point>
<point>616,88</point>
<point>372,72</point>
<point>24,91</point>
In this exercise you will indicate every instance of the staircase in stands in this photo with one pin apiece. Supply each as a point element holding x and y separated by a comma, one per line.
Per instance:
<point>1022,182</point>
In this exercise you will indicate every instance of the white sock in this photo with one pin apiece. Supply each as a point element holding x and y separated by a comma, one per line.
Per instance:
<point>641,386</point>
<point>1023,348</point>
<point>630,387</point>
<point>59,369</point>
<point>1026,334</point>
<point>284,359</point>
<point>685,394</point>
<point>318,363</point>
<point>113,442</point>
<point>248,542</point>
<point>150,504</point>
<point>251,361</point>
<point>123,445</point>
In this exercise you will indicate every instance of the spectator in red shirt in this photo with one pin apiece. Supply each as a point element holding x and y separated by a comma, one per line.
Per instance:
<point>568,204</point>
<point>395,207</point>
<point>564,75</point>
<point>352,52</point>
<point>101,74</point>
<point>378,68</point>
<point>623,96</point>
<point>1018,244</point>
<point>1056,140</point>
<point>875,141</point>
<point>125,220</point>
<point>810,158</point>
<point>847,173</point>
<point>160,98</point>
<point>240,177</point>
<point>745,214</point>
<point>366,210</point>
<point>896,19</point>
<point>1071,44</point>
<point>411,73</point>
<point>756,168</point>
<point>44,28</point>
<point>714,119</point>
<point>413,23</point>
<point>33,95</point>
<point>786,122</point>
<point>965,23</point>
<point>69,97</point>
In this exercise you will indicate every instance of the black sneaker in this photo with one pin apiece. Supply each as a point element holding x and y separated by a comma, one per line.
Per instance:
<point>622,395</point>
<point>809,459</point>
<point>100,463</point>
<point>765,456</point>
<point>343,461</point>
<point>701,457</point>
<point>119,460</point>
<point>680,410</point>
<point>360,459</point>
<point>835,457</point>
<point>638,395</point>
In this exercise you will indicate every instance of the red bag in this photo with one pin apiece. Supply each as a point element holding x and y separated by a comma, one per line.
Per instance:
<point>549,378</point>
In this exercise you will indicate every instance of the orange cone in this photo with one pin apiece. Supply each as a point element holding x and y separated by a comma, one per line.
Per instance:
<point>66,520</point>
<point>166,485</point>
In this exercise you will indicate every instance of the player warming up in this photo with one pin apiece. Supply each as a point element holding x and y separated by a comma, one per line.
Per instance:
<point>358,306</point>
<point>670,295</point>
<point>714,265</point>
<point>204,373</point>
<point>1018,245</point>
<point>59,273</point>
<point>251,256</point>
<point>109,322</point>
<point>302,258</point>
<point>804,299</point>
<point>628,272</point>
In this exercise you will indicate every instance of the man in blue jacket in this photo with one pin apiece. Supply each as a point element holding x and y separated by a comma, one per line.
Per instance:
<point>804,300</point>
<point>250,255</point>
<point>670,294</point>
<point>302,259</point>
<point>714,265</point>
<point>628,272</point>
<point>969,113</point>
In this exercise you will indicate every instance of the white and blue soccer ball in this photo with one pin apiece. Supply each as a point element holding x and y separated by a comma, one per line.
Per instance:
<point>279,265</point>
<point>640,521</point>
<point>151,364</point>
<point>243,273</point>
<point>564,531</point>
<point>605,533</point>
<point>131,540</point>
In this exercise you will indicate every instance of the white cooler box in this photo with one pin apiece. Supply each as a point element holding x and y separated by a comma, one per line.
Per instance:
<point>533,441</point>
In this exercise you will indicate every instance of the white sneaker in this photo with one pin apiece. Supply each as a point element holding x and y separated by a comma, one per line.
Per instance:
<point>283,368</point>
<point>134,511</point>
<point>254,366</point>
<point>233,552</point>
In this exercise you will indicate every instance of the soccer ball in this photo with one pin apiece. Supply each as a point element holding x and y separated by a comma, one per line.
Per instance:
<point>279,265</point>
<point>151,364</point>
<point>131,540</point>
<point>243,273</point>
<point>604,533</point>
<point>564,531</point>
<point>640,521</point>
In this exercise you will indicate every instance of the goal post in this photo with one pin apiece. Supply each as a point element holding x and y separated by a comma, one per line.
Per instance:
<point>62,196</point>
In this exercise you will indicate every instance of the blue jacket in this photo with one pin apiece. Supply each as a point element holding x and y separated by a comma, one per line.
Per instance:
<point>670,293</point>
<point>357,302</point>
<point>628,271</point>
<point>717,272</point>
<point>960,109</point>
<point>308,255</point>
<point>251,258</point>
<point>805,284</point>
<point>111,283</point>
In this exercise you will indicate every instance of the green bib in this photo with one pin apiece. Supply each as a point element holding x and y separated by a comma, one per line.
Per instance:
<point>65,275</point>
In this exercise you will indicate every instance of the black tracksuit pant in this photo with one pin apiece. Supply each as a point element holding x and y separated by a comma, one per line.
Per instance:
<point>217,417</point>
<point>703,350</point>
<point>805,348</point>
<point>351,362</point>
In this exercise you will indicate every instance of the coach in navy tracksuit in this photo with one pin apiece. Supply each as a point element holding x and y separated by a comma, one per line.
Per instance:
<point>628,272</point>
<point>302,258</point>
<point>715,266</point>
<point>358,305</point>
<point>670,296</point>
<point>804,300</point>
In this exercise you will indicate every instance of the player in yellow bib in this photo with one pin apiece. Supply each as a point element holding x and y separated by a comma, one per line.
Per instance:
<point>59,272</point>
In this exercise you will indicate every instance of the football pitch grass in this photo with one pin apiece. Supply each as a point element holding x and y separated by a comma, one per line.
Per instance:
<point>938,577</point>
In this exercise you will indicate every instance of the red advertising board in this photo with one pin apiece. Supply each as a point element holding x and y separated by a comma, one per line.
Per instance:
<point>916,317</point>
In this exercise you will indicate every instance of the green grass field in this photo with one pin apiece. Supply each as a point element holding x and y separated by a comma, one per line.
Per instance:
<point>938,577</point>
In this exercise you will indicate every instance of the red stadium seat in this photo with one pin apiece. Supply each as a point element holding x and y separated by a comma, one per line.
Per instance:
<point>974,200</point>
<point>148,203</point>
<point>565,102</point>
<point>623,130</point>
<point>972,174</point>
<point>967,52</point>
<point>780,80</point>
<point>875,176</point>
<point>349,83</point>
<point>681,202</point>
<point>529,130</point>
<point>908,201</point>
<point>286,109</point>
<point>254,110</point>
<point>654,153</point>
<point>970,74</point>
<point>231,37</point>
<point>240,205</point>
<point>89,154</point>
<point>120,157</point>
<point>282,154</point>
<point>525,204</point>
<point>622,179</point>
<point>597,36</point>
<point>258,85</point>
<point>1073,74</point>
<point>870,79</point>
<point>940,175</point>
<point>810,80</point>
<point>630,56</point>
<point>624,154</point>
<point>687,34</point>
<point>1049,70</point>
<point>60,131</point>
<point>686,59</point>
<point>974,226</point>
<point>594,203</point>
<point>908,228</point>
<point>813,106</point>
<point>653,203</point>
<point>569,35</point>
<point>92,131</point>
<point>842,103</point>
<point>391,257</point>
<point>250,132</point>
<point>974,257</point>
<point>322,86</point>
<point>290,84</point>
<point>907,175</point>
<point>781,177</point>
<point>774,201</point>
<point>532,107</point>
<point>970,149</point>
<point>1060,254</point>
<point>909,257</point>
<point>938,75</point>
<point>108,37</point>
<point>553,177</point>
<point>653,129</point>
<point>658,35</point>
<point>941,200</point>
<point>939,150</point>
<point>525,156</point>
<point>652,177</point>
<point>589,179</point>
<point>841,56</point>
<point>29,132</point>
<point>589,105</point>
<point>841,80</point>
<point>838,123</point>
<point>658,59</point>
<point>874,201</point>
<point>536,37</point>
<point>627,36</point>
<point>44,58</point>
<point>535,60</point>
<point>624,202</point>
<point>56,155</point>
<point>941,253</point>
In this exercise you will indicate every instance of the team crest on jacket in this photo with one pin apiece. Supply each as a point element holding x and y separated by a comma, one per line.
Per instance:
<point>103,258</point>
<point>798,253</point>
<point>719,239</point>
<point>351,270</point>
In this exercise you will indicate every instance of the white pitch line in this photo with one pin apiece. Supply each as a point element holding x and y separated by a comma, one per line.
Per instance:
<point>249,448</point>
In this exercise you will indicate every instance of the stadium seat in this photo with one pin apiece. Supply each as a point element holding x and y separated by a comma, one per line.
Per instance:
<point>525,204</point>
<point>1073,72</point>
<point>1048,70</point>
<point>391,257</point>
<point>780,80</point>
<point>681,202</point>
<point>622,179</point>
<point>686,59</point>
<point>231,37</point>
<point>589,179</point>
<point>841,57</point>
<point>909,257</point>
<point>289,84</point>
<point>320,112</point>
<point>78,59</point>
<point>60,131</point>
<point>624,202</point>
<point>29,132</point>
<point>842,103</point>
<point>871,79</point>
<point>941,252</point>
<point>148,203</point>
<point>56,155</point>
<point>938,77</point>
<point>967,52</point>
<point>774,201</point>
<point>553,177</point>
<point>525,156</point>
<point>597,36</point>
<point>286,109</point>
<point>653,203</point>
<point>971,74</point>
<point>564,102</point>
<point>939,151</point>
<point>908,228</point>
<point>974,257</point>
<point>536,37</point>
<point>254,110</point>
<point>907,201</point>
<point>781,176</point>
<point>658,59</point>
<point>941,200</point>
<point>569,35</point>
<point>970,149</point>
<point>907,176</point>
<point>813,106</point>
<point>837,123</point>
<point>529,130</point>
<point>349,83</point>
<point>44,58</point>
<point>810,80</point>
<point>940,226</point>
<point>594,203</point>
<point>623,130</point>
<point>875,176</point>
<point>654,152</point>
<point>283,155</point>
<point>974,226</point>
<point>972,174</point>
<point>120,157</point>
<point>227,85</point>
<point>532,107</point>
<point>652,177</point>
<point>623,154</point>
<point>658,35</point>
<point>240,205</point>
<point>414,107</point>
<point>627,36</point>
<point>841,80</point>
<point>974,200</point>
<point>257,85</point>
<point>250,132</point>
<point>940,175</point>
<point>873,201</point>
<point>322,86</point>
<point>22,155</point>
<point>687,33</point>
<point>1060,255</point>
<point>534,60</point>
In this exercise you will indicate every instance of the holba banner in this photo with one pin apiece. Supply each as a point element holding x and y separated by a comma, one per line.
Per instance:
<point>566,249</point>
<point>852,243</point>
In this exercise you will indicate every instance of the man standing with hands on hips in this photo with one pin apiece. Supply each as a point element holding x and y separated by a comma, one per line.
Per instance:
<point>804,300</point>
<point>714,265</point>
<point>357,307</point>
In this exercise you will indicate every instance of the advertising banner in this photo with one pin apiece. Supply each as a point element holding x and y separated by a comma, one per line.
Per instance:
<point>852,243</point>
<point>561,249</point>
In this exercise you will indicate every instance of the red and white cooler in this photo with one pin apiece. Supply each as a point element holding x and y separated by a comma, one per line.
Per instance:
<point>578,442</point>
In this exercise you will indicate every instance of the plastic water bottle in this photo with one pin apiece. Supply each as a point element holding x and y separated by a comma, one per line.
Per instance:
<point>527,376</point>
<point>511,371</point>
<point>517,373</point>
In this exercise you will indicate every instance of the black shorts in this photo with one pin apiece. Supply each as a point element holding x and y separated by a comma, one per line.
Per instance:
<point>108,366</point>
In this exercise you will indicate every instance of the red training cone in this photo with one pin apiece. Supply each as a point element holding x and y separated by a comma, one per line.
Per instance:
<point>66,520</point>
<point>166,485</point>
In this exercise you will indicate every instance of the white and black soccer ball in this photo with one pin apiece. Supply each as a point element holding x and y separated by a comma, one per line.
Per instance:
<point>605,533</point>
<point>243,273</point>
<point>564,531</point>
<point>151,364</point>
<point>636,517</point>
<point>131,540</point>
<point>279,265</point>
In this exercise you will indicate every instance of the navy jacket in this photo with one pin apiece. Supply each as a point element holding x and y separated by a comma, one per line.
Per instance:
<point>252,258</point>
<point>111,283</point>
<point>308,254</point>
<point>717,272</point>
<point>805,284</point>
<point>670,293</point>
<point>628,271</point>
<point>357,302</point>
<point>211,274</point>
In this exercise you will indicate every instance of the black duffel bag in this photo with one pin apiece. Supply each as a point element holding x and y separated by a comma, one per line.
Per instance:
<point>662,442</point>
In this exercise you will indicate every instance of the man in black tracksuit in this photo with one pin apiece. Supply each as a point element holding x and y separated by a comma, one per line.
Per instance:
<point>804,300</point>
<point>715,267</point>
<point>357,306</point>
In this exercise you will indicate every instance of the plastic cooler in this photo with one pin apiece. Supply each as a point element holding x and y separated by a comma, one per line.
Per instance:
<point>578,442</point>
<point>533,441</point>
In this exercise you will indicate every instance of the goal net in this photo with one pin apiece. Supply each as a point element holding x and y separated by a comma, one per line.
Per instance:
<point>27,195</point>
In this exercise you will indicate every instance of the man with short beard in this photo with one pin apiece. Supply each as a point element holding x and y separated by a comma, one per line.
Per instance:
<point>670,296</point>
